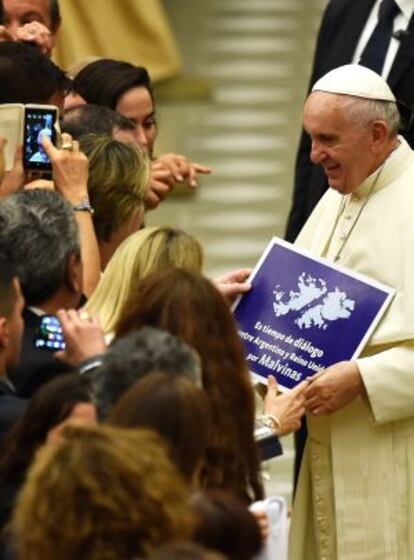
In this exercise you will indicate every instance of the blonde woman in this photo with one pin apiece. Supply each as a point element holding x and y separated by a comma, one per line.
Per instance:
<point>117,187</point>
<point>101,493</point>
<point>149,250</point>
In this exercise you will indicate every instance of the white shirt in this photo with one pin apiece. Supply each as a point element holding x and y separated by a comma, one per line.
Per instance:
<point>401,22</point>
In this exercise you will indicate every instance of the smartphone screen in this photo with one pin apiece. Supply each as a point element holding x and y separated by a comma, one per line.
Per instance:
<point>49,334</point>
<point>38,122</point>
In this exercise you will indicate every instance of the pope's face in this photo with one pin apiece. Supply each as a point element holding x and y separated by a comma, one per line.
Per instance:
<point>340,145</point>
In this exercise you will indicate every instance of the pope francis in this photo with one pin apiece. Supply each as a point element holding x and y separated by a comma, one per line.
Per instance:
<point>355,498</point>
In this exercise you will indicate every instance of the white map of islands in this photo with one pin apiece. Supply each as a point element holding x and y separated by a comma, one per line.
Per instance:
<point>317,307</point>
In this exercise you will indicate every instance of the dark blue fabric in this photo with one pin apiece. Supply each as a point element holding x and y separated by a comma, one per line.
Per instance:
<point>375,51</point>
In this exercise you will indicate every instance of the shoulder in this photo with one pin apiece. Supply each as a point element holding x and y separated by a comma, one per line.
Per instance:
<point>335,13</point>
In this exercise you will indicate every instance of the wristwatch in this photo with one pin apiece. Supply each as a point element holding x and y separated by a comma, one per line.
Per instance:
<point>270,422</point>
<point>83,206</point>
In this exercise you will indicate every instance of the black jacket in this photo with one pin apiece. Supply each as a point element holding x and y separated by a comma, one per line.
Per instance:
<point>11,408</point>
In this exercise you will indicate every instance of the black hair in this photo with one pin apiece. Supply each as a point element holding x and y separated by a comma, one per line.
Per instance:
<point>104,81</point>
<point>226,525</point>
<point>54,11</point>
<point>50,406</point>
<point>93,119</point>
<point>27,76</point>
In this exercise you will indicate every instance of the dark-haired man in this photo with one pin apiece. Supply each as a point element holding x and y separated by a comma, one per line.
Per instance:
<point>11,330</point>
<point>27,76</point>
<point>97,119</point>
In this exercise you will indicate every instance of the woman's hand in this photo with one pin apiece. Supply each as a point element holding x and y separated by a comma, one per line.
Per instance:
<point>288,408</point>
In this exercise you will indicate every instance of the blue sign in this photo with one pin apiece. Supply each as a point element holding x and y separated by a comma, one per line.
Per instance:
<point>304,314</point>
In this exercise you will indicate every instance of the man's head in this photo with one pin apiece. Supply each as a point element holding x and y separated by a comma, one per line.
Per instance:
<point>11,321</point>
<point>39,234</point>
<point>27,76</point>
<point>141,352</point>
<point>19,12</point>
<point>352,129</point>
<point>97,119</point>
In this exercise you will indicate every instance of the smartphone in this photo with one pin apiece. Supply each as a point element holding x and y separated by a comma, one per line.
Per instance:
<point>39,120</point>
<point>49,334</point>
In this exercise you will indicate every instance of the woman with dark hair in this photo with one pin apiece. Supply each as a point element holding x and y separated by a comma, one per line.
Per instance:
<point>127,89</point>
<point>226,525</point>
<point>190,307</point>
<point>68,397</point>
<point>175,408</point>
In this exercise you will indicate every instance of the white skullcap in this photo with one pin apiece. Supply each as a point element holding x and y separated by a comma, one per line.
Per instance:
<point>356,80</point>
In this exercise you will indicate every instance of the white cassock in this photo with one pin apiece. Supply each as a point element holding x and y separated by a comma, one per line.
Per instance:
<point>355,498</point>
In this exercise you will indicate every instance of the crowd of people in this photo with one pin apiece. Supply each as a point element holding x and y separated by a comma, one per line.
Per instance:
<point>135,438</point>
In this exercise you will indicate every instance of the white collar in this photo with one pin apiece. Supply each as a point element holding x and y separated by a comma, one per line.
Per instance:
<point>36,310</point>
<point>406,7</point>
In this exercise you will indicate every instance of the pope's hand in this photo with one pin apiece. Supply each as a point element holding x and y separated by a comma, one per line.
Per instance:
<point>333,388</point>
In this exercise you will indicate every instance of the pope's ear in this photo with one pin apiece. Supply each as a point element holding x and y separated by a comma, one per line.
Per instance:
<point>4,333</point>
<point>380,132</point>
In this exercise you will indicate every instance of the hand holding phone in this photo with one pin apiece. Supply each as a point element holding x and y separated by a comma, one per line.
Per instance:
<point>70,169</point>
<point>39,122</point>
<point>49,334</point>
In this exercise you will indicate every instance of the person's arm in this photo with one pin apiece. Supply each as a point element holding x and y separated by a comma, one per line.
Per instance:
<point>385,380</point>
<point>388,379</point>
<point>70,176</point>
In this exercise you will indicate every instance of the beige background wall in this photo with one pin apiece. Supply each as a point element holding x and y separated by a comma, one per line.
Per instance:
<point>257,56</point>
<point>134,30</point>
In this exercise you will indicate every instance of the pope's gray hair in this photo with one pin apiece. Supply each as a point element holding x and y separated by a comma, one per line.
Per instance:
<point>365,111</point>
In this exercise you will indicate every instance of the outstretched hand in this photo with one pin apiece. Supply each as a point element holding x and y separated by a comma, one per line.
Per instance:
<point>169,170</point>
<point>234,283</point>
<point>288,407</point>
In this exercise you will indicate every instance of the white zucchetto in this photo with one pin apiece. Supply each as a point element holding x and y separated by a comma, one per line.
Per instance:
<point>355,80</point>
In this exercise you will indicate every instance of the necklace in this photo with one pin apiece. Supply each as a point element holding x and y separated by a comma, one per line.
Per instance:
<point>351,229</point>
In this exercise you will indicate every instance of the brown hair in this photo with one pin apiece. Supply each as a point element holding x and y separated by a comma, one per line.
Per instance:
<point>226,525</point>
<point>174,407</point>
<point>189,306</point>
<point>101,493</point>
